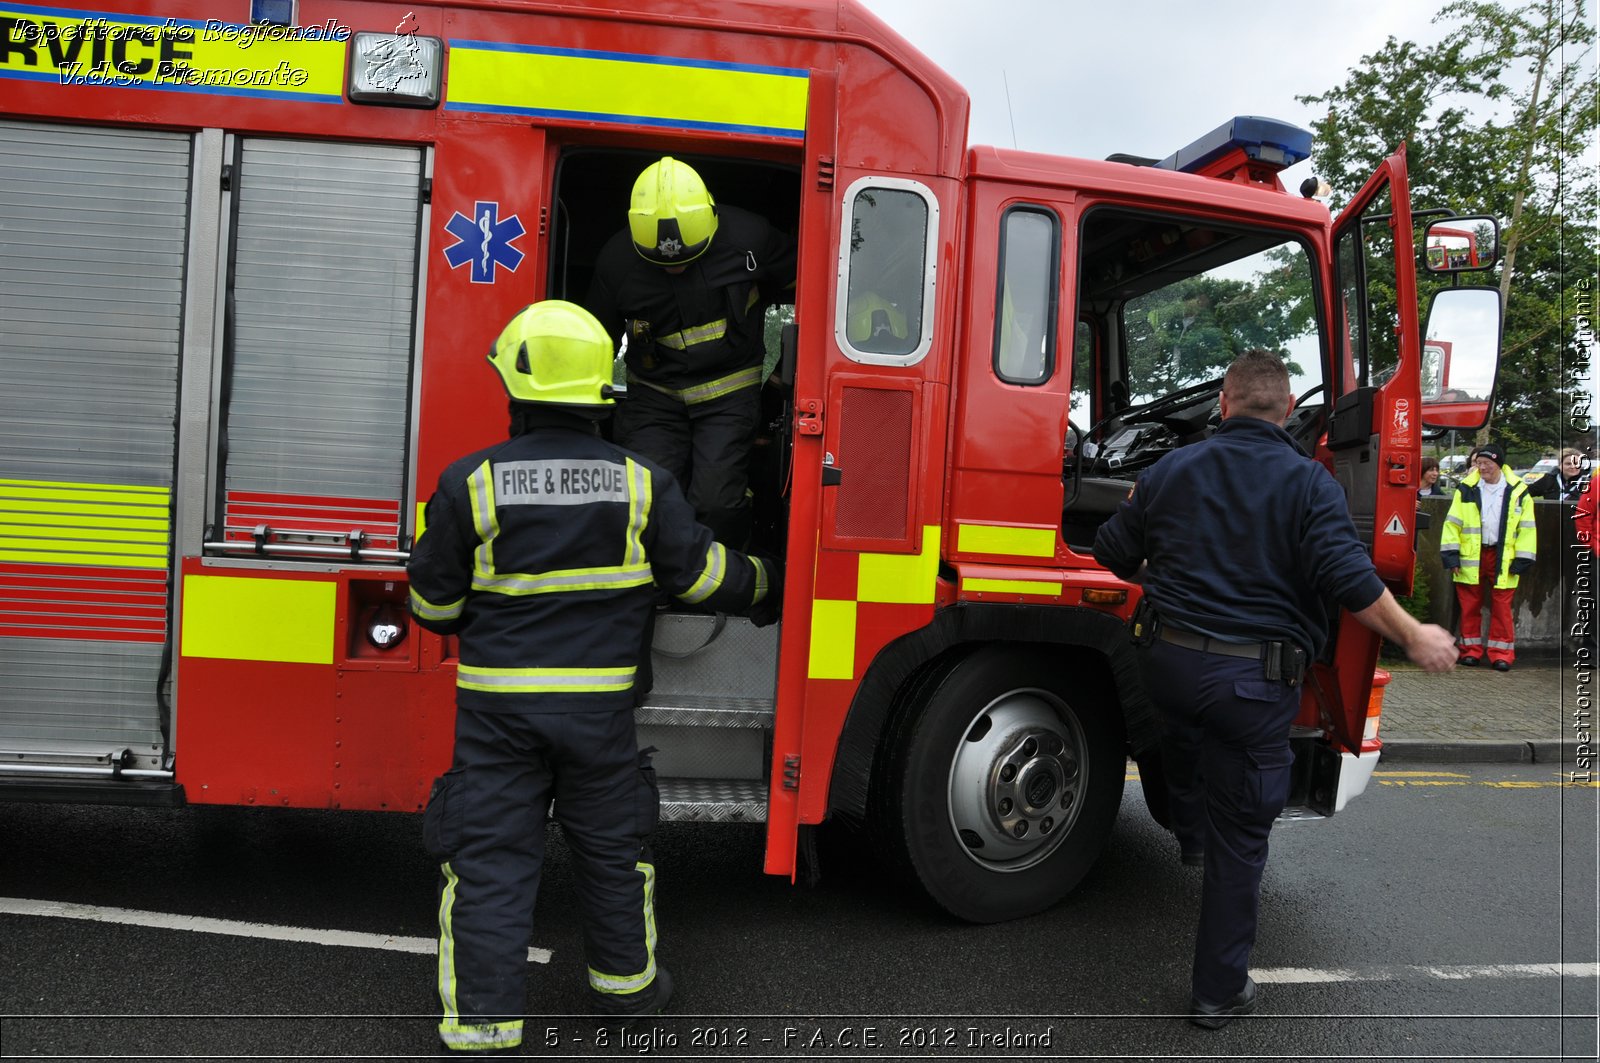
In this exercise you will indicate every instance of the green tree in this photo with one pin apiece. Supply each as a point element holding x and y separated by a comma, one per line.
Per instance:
<point>1495,118</point>
<point>1191,330</point>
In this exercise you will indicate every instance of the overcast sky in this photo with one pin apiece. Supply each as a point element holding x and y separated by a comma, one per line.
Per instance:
<point>1144,77</point>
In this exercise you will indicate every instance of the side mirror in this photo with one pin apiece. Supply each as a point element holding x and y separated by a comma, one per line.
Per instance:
<point>1461,245</point>
<point>1460,357</point>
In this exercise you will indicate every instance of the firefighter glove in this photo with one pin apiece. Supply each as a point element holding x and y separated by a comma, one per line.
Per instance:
<point>1520,565</point>
<point>766,611</point>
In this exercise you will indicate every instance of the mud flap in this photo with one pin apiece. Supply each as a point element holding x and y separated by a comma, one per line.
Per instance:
<point>1325,767</point>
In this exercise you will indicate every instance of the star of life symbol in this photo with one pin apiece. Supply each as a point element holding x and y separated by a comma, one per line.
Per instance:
<point>484,241</point>
<point>670,247</point>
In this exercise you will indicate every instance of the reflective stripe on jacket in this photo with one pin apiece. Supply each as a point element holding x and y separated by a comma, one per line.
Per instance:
<point>705,321</point>
<point>542,554</point>
<point>1461,541</point>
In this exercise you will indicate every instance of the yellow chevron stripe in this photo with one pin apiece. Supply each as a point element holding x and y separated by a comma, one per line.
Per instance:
<point>623,87</point>
<point>47,522</point>
<point>1014,542</point>
<point>287,619</point>
<point>1012,586</point>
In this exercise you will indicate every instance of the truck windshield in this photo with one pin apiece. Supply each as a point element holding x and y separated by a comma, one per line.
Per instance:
<point>1188,330</point>
<point>1174,300</point>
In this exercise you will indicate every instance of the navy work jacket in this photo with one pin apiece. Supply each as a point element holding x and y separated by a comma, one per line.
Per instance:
<point>1246,539</point>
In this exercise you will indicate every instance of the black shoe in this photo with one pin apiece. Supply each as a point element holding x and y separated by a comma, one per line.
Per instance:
<point>663,987</point>
<point>1216,1016</point>
<point>1502,666</point>
<point>1197,858</point>
<point>1470,662</point>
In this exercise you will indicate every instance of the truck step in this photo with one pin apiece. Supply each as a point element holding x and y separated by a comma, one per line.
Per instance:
<point>689,710</point>
<point>713,801</point>
<point>714,659</point>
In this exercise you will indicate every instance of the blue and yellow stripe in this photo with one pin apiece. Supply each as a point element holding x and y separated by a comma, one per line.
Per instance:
<point>110,49</point>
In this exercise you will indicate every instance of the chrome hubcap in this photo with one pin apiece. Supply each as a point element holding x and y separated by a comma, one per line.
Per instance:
<point>1017,780</point>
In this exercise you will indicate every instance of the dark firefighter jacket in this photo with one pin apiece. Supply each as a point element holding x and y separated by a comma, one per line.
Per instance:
<point>706,323</point>
<point>540,552</point>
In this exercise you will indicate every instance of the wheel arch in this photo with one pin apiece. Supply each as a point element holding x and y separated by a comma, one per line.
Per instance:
<point>910,667</point>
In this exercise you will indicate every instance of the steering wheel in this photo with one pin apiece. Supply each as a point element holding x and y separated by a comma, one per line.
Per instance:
<point>1301,400</point>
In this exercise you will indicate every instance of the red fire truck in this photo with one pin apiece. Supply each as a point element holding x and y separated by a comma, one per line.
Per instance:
<point>254,255</point>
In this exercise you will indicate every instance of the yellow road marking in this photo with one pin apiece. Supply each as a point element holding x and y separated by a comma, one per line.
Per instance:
<point>1504,784</point>
<point>1420,775</point>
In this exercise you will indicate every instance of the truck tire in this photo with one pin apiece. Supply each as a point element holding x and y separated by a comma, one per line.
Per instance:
<point>1001,792</point>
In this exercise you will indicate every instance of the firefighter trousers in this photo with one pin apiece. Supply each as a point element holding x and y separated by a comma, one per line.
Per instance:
<point>1501,645</point>
<point>1225,752</point>
<point>485,823</point>
<point>705,446</point>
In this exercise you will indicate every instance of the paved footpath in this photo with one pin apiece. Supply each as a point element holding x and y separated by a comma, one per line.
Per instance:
<point>1527,715</point>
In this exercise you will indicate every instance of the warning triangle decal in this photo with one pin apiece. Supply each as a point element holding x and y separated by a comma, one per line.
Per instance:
<point>1394,527</point>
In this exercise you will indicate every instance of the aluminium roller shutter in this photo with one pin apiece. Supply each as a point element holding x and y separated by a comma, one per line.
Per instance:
<point>93,231</point>
<point>322,298</point>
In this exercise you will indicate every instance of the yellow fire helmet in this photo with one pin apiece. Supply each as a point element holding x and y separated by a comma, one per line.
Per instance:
<point>872,318</point>
<point>555,353</point>
<point>671,215</point>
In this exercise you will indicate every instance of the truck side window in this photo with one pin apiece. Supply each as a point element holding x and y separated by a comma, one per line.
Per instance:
<point>1365,260</point>
<point>1025,304</point>
<point>887,275</point>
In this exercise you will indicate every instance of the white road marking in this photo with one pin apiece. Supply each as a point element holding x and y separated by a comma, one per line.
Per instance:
<point>1284,975</point>
<point>205,925</point>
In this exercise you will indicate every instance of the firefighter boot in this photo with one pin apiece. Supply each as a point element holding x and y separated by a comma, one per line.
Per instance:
<point>654,1001</point>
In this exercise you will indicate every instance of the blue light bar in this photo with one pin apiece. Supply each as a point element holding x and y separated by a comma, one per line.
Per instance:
<point>1264,140</point>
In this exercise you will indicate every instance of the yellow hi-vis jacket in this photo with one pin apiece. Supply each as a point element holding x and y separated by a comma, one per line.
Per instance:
<point>1461,542</point>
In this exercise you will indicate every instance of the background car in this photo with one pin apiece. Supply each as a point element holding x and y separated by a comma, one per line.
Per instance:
<point>1541,468</point>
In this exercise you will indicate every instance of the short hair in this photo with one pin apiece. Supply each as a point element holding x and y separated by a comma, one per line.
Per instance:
<point>1570,452</point>
<point>1257,385</point>
<point>1429,464</point>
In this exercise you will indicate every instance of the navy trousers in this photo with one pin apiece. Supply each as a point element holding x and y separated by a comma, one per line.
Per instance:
<point>705,446</point>
<point>485,823</point>
<point>1225,753</point>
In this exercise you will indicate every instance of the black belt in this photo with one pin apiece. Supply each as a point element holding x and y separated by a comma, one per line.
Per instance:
<point>1279,660</point>
<point>1205,644</point>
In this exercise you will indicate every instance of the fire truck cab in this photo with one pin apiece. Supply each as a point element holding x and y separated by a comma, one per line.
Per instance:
<point>256,253</point>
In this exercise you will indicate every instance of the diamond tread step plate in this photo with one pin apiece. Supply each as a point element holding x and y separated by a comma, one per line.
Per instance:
<point>682,710</point>
<point>713,800</point>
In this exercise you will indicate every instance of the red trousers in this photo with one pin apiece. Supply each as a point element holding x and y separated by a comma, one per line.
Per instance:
<point>1502,642</point>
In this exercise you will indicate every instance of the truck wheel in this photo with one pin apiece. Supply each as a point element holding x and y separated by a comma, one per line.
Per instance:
<point>1002,791</point>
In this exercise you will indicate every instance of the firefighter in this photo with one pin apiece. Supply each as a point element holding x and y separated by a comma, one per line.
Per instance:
<point>1233,609</point>
<point>540,552</point>
<point>688,283</point>
<point>1488,541</point>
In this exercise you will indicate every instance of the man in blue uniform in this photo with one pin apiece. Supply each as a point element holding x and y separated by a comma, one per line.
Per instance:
<point>689,282</point>
<point>540,553</point>
<point>1239,541</point>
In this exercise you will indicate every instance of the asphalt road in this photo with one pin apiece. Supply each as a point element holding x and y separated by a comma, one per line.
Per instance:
<point>1429,920</point>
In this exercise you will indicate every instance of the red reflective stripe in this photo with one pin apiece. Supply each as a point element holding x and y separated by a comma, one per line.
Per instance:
<point>99,603</point>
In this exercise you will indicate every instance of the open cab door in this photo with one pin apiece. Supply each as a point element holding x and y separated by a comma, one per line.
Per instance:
<point>1374,444</point>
